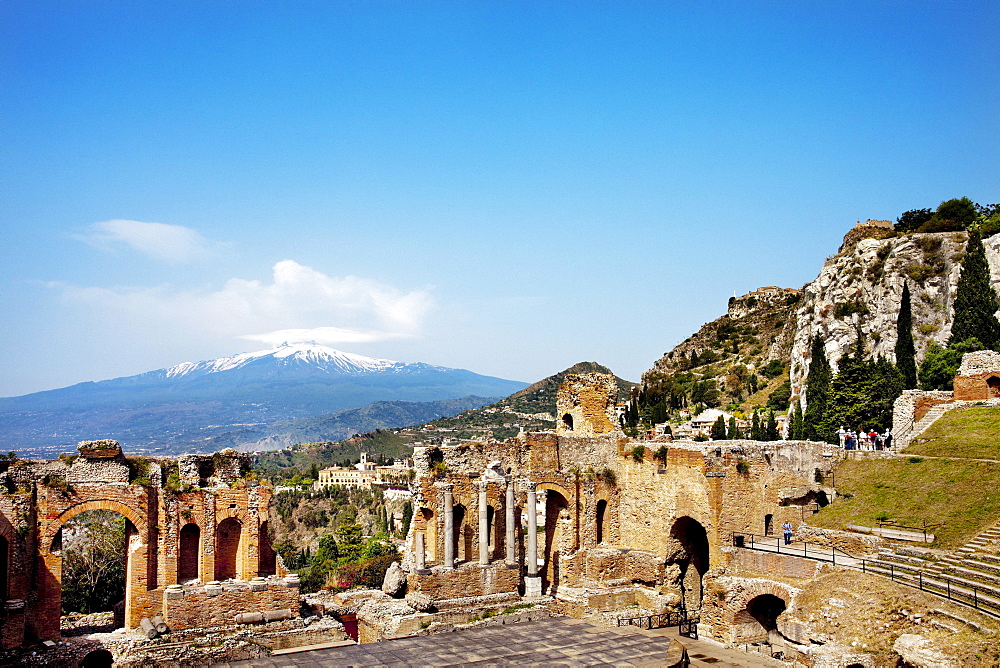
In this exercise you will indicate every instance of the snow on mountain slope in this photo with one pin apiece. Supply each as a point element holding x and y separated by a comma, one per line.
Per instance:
<point>321,357</point>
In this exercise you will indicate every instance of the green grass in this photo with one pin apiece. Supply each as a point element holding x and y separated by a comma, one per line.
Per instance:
<point>962,495</point>
<point>957,492</point>
<point>964,432</point>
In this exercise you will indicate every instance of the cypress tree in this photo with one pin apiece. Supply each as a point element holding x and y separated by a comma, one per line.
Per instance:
<point>975,299</point>
<point>817,392</point>
<point>906,356</point>
<point>734,433</point>
<point>797,427</point>
<point>756,428</point>
<point>771,428</point>
<point>719,429</point>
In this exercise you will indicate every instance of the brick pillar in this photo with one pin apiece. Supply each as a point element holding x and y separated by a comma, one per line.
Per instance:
<point>49,607</point>
<point>208,541</point>
<point>509,508</point>
<point>137,603</point>
<point>484,529</point>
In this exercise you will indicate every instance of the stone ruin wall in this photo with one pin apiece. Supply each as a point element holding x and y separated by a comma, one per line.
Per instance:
<point>725,487</point>
<point>37,498</point>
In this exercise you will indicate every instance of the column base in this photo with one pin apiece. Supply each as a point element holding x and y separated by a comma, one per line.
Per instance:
<point>532,586</point>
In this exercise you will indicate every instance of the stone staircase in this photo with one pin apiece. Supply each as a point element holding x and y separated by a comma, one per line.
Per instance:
<point>901,441</point>
<point>970,575</point>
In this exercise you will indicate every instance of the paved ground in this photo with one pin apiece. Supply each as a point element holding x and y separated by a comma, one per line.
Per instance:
<point>558,641</point>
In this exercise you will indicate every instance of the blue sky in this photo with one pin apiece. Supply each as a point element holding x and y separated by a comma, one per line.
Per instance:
<point>500,186</point>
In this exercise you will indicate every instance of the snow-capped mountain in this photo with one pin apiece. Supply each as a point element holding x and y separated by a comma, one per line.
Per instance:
<point>313,354</point>
<point>184,405</point>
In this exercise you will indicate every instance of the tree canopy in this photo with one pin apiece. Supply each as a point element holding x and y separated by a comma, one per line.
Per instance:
<point>975,299</point>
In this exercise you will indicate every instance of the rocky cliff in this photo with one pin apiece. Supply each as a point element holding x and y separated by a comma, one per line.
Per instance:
<point>859,289</point>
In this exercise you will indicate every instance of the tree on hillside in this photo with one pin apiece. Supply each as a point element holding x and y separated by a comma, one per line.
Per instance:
<point>771,427</point>
<point>862,392</point>
<point>817,392</point>
<point>756,428</point>
<point>975,299</point>
<point>906,355</point>
<point>719,429</point>
<point>796,428</point>
<point>909,221</point>
<point>93,568</point>
<point>734,433</point>
<point>940,365</point>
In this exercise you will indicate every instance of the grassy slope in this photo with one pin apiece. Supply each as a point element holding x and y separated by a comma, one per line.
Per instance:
<point>960,494</point>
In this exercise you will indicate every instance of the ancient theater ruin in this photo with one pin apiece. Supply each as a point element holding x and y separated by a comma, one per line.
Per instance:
<point>594,522</point>
<point>196,539</point>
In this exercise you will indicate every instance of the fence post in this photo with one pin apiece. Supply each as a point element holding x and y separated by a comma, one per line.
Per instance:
<point>920,579</point>
<point>892,572</point>
<point>863,566</point>
<point>947,583</point>
<point>975,597</point>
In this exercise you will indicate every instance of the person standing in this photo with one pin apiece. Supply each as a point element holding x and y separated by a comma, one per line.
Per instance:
<point>786,528</point>
<point>841,433</point>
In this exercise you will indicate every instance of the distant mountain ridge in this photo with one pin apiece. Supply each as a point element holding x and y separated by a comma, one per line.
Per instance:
<point>185,406</point>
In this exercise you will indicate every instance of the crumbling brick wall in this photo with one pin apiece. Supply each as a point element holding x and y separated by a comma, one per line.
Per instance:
<point>37,498</point>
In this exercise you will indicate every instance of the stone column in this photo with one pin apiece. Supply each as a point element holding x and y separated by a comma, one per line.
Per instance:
<point>531,554</point>
<point>419,560</point>
<point>449,527</point>
<point>484,529</point>
<point>509,507</point>
<point>532,583</point>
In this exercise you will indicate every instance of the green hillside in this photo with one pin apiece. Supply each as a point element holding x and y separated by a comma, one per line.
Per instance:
<point>942,480</point>
<point>531,409</point>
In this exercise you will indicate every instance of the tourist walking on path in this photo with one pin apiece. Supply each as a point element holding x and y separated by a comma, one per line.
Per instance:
<point>787,529</point>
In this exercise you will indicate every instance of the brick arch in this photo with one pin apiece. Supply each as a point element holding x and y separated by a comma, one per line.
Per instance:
<point>555,487</point>
<point>239,514</point>
<point>52,527</point>
<point>739,602</point>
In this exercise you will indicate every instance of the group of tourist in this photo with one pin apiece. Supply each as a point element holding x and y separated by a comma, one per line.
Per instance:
<point>860,440</point>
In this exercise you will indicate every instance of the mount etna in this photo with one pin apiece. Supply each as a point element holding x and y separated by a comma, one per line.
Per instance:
<point>231,401</point>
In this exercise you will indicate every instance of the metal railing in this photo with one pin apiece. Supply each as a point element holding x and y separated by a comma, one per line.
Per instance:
<point>799,548</point>
<point>687,623</point>
<point>983,599</point>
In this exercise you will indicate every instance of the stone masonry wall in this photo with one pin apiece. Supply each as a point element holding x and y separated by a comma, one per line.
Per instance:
<point>195,607</point>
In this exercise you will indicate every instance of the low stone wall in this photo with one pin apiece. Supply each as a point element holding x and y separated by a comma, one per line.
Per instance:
<point>466,580</point>
<point>771,563</point>
<point>612,566</point>
<point>854,544</point>
<point>218,604</point>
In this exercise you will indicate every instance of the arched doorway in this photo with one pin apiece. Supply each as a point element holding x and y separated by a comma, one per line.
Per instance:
<point>99,658</point>
<point>430,534</point>
<point>758,621</point>
<point>602,509</point>
<point>768,524</point>
<point>227,548</point>
<point>557,534</point>
<point>567,420</point>
<point>458,531</point>
<point>268,560</point>
<point>688,550</point>
<point>993,383</point>
<point>139,563</point>
<point>92,547</point>
<point>190,550</point>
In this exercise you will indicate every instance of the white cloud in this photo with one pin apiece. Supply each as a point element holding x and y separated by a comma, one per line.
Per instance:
<point>299,303</point>
<point>170,243</point>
